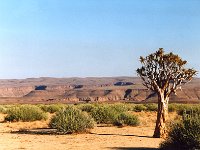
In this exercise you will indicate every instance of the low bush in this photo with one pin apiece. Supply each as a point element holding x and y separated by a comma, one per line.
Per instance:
<point>25,113</point>
<point>124,119</point>
<point>86,107</point>
<point>173,107</point>
<point>151,107</point>
<point>184,135</point>
<point>52,108</point>
<point>104,114</point>
<point>71,120</point>
<point>116,114</point>
<point>120,107</point>
<point>2,109</point>
<point>188,109</point>
<point>139,108</point>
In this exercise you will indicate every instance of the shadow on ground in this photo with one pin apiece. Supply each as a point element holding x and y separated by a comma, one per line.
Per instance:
<point>48,131</point>
<point>124,135</point>
<point>42,131</point>
<point>133,148</point>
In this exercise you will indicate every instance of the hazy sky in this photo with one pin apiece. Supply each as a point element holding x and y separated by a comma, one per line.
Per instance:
<point>63,38</point>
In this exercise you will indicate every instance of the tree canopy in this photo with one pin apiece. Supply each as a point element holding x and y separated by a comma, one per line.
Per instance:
<point>165,72</point>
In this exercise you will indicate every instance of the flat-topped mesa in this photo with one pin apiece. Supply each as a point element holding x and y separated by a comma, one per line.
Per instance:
<point>81,90</point>
<point>15,91</point>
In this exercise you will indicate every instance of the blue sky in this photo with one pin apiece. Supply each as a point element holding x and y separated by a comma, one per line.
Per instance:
<point>63,38</point>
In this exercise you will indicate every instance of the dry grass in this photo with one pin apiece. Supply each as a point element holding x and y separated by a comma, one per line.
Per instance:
<point>27,125</point>
<point>148,119</point>
<point>16,126</point>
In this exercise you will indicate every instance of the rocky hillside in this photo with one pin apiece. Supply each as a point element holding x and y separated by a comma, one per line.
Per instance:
<point>67,90</point>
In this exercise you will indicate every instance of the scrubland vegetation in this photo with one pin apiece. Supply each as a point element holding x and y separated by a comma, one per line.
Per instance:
<point>25,113</point>
<point>70,120</point>
<point>184,133</point>
<point>100,112</point>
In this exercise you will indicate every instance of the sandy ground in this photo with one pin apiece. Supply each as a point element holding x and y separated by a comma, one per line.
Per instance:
<point>126,138</point>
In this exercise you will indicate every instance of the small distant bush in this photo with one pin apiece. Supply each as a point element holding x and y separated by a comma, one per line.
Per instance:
<point>86,107</point>
<point>2,109</point>
<point>25,113</point>
<point>151,107</point>
<point>104,114</point>
<point>173,107</point>
<point>140,107</point>
<point>188,109</point>
<point>120,107</point>
<point>52,108</point>
<point>180,108</point>
<point>125,119</point>
<point>115,114</point>
<point>71,120</point>
<point>184,135</point>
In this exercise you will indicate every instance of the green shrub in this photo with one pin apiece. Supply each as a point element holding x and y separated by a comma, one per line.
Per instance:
<point>140,107</point>
<point>184,135</point>
<point>151,107</point>
<point>120,107</point>
<point>52,108</point>
<point>173,107</point>
<point>188,109</point>
<point>104,114</point>
<point>126,119</point>
<point>5,108</point>
<point>86,107</point>
<point>25,113</point>
<point>71,120</point>
<point>2,109</point>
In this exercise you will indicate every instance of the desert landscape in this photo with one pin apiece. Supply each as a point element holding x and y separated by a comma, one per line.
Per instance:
<point>50,92</point>
<point>37,135</point>
<point>77,90</point>
<point>99,75</point>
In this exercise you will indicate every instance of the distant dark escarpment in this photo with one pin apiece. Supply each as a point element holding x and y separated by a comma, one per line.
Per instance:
<point>123,83</point>
<point>40,87</point>
<point>75,90</point>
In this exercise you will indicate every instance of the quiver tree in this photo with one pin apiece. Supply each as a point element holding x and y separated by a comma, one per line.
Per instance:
<point>163,74</point>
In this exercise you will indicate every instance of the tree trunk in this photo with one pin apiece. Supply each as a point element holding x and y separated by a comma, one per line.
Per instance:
<point>162,115</point>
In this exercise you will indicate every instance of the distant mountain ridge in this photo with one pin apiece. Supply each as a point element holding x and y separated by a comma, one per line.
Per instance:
<point>90,89</point>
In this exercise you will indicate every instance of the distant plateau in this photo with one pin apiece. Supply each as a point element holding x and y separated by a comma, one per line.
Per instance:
<point>92,89</point>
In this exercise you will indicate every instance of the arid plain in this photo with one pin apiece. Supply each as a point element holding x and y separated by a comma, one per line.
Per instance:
<point>37,135</point>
